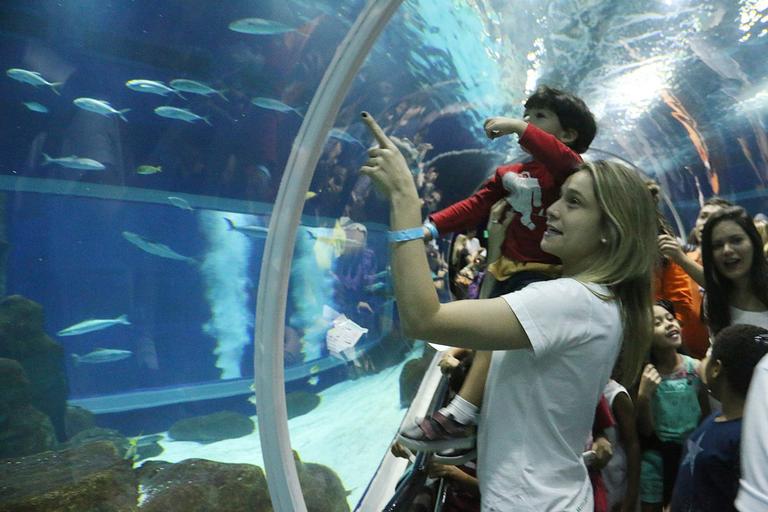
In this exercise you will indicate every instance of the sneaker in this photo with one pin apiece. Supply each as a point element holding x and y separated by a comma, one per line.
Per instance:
<point>455,457</point>
<point>437,433</point>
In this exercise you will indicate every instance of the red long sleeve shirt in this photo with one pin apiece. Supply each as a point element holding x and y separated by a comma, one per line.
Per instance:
<point>530,188</point>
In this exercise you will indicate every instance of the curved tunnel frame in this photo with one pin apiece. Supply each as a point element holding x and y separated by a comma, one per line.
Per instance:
<point>282,477</point>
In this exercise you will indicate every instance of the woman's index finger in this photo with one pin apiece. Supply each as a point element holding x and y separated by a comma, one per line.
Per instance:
<point>376,130</point>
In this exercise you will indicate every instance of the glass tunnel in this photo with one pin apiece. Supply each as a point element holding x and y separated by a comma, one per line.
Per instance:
<point>197,309</point>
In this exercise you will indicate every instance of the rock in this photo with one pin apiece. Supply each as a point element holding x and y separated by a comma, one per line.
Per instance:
<point>26,431</point>
<point>15,386</point>
<point>322,488</point>
<point>301,402</point>
<point>198,485</point>
<point>22,338</point>
<point>77,420</point>
<point>212,428</point>
<point>98,434</point>
<point>91,478</point>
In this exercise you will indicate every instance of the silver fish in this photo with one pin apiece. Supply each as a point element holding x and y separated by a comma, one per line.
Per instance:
<point>259,26</point>
<point>74,162</point>
<point>181,114</point>
<point>102,355</point>
<point>179,202</point>
<point>193,87</point>
<point>93,325</point>
<point>100,107</point>
<point>337,133</point>
<point>272,104</point>
<point>151,87</point>
<point>36,107</point>
<point>252,231</point>
<point>32,78</point>
<point>156,248</point>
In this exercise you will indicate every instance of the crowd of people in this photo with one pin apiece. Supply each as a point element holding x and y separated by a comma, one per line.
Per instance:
<point>611,364</point>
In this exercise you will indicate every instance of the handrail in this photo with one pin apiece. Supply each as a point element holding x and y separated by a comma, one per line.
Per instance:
<point>282,477</point>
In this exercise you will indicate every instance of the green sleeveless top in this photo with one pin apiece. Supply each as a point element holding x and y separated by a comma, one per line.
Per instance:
<point>675,405</point>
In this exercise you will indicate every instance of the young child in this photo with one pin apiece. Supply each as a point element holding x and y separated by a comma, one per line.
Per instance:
<point>622,473</point>
<point>555,128</point>
<point>670,401</point>
<point>708,479</point>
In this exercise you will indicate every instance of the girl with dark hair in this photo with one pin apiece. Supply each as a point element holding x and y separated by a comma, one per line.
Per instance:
<point>670,401</point>
<point>735,271</point>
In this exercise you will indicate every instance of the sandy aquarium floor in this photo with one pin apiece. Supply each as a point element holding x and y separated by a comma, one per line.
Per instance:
<point>350,431</point>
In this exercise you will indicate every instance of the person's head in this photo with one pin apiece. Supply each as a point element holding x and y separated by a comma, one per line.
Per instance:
<point>603,224</point>
<point>761,224</point>
<point>732,358</point>
<point>709,207</point>
<point>603,230</point>
<point>732,256</point>
<point>662,225</point>
<point>666,328</point>
<point>356,236</point>
<point>563,115</point>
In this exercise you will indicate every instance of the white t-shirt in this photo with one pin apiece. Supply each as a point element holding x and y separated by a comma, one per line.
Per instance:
<point>753,486</point>
<point>740,316</point>
<point>539,404</point>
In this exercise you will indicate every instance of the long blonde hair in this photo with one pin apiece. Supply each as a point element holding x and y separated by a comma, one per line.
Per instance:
<point>626,265</point>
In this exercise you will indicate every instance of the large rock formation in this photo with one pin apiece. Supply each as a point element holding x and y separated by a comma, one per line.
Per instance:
<point>23,429</point>
<point>22,338</point>
<point>198,485</point>
<point>93,478</point>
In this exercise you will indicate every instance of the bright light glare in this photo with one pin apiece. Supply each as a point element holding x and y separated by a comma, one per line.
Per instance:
<point>634,91</point>
<point>751,13</point>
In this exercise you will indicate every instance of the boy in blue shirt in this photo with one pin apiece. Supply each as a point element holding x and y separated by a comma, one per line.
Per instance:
<point>708,478</point>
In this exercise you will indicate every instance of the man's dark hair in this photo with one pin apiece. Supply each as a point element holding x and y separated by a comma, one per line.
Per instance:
<point>572,112</point>
<point>740,348</point>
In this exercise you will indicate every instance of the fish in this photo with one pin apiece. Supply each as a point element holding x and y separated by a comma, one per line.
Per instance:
<point>252,399</point>
<point>148,169</point>
<point>36,107</point>
<point>182,114</point>
<point>74,162</point>
<point>179,202</point>
<point>314,369</point>
<point>148,440</point>
<point>337,133</point>
<point>93,325</point>
<point>32,78</point>
<point>193,87</point>
<point>100,107</point>
<point>102,355</point>
<point>337,240</point>
<point>313,381</point>
<point>259,27</point>
<point>251,231</point>
<point>132,452</point>
<point>156,248</point>
<point>273,104</point>
<point>309,195</point>
<point>264,170</point>
<point>152,87</point>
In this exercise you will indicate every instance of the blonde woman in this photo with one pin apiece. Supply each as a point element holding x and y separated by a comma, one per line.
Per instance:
<point>555,342</point>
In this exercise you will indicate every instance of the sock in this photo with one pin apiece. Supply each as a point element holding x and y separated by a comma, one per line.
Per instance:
<point>462,411</point>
